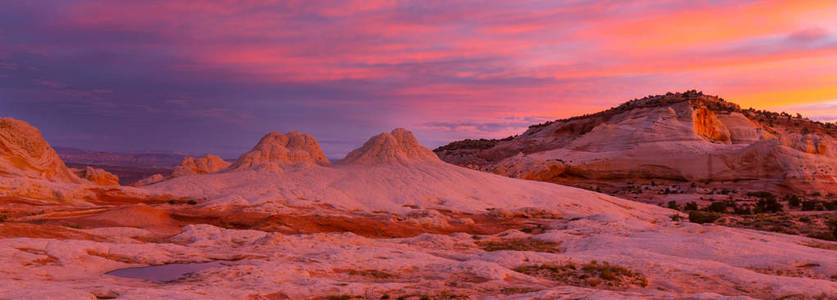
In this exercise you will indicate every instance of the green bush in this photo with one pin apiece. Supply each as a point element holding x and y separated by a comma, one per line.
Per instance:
<point>690,206</point>
<point>673,205</point>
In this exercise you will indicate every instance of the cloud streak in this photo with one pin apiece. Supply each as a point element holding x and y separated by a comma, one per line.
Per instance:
<point>206,76</point>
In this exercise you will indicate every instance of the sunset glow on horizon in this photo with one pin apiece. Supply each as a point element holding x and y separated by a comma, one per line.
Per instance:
<point>215,76</point>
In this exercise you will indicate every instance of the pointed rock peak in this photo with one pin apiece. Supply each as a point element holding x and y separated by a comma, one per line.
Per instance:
<point>397,146</point>
<point>276,149</point>
<point>25,153</point>
<point>205,164</point>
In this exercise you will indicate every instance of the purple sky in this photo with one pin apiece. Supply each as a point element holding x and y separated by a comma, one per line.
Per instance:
<point>214,78</point>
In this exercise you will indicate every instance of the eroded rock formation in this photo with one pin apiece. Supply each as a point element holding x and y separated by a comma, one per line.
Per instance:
<point>275,150</point>
<point>25,153</point>
<point>205,164</point>
<point>398,146</point>
<point>97,176</point>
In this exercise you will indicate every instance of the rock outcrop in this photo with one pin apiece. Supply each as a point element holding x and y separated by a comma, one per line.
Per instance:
<point>398,146</point>
<point>97,176</point>
<point>707,125</point>
<point>679,137</point>
<point>25,153</point>
<point>150,180</point>
<point>275,150</point>
<point>205,164</point>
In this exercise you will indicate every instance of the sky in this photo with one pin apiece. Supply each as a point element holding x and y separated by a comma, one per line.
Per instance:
<point>215,76</point>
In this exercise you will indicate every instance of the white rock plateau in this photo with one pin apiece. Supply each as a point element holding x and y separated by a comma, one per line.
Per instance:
<point>393,220</point>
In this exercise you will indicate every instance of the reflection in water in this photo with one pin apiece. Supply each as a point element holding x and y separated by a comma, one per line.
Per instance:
<point>164,273</point>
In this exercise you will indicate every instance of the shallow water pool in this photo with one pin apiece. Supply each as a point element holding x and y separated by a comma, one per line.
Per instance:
<point>165,273</point>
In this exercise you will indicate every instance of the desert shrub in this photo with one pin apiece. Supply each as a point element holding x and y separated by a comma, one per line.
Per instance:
<point>793,200</point>
<point>717,206</point>
<point>338,297</point>
<point>812,205</point>
<point>702,217</point>
<point>763,195</point>
<point>371,273</point>
<point>517,290</point>
<point>673,205</point>
<point>592,274</point>
<point>768,205</point>
<point>520,244</point>
<point>830,205</point>
<point>690,206</point>
<point>743,210</point>
<point>832,225</point>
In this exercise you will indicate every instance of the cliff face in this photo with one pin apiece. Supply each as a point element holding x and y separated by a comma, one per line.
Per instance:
<point>680,137</point>
<point>707,125</point>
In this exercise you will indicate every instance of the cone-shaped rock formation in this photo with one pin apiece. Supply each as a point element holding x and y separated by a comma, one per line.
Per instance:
<point>275,150</point>
<point>397,146</point>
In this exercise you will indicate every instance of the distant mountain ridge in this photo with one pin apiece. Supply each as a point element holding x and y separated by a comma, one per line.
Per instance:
<point>677,136</point>
<point>120,159</point>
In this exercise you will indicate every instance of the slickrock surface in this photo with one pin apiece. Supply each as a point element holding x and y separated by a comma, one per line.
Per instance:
<point>686,137</point>
<point>391,223</point>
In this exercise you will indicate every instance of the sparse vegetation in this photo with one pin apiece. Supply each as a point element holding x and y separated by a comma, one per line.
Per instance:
<point>371,273</point>
<point>792,200</point>
<point>719,206</point>
<point>592,274</point>
<point>690,206</point>
<point>339,297</point>
<point>832,224</point>
<point>702,217</point>
<point>520,244</point>
<point>473,144</point>
<point>517,290</point>
<point>768,205</point>
<point>811,205</point>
